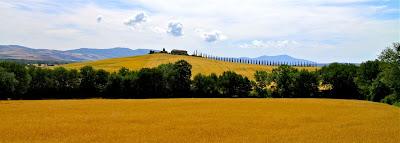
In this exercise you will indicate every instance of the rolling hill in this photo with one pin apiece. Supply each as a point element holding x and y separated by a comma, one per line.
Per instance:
<point>82,54</point>
<point>92,54</point>
<point>200,65</point>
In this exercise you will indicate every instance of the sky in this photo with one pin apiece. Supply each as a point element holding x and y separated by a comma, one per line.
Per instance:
<point>318,30</point>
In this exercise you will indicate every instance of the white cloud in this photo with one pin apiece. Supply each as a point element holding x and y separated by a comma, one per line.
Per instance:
<point>175,29</point>
<point>335,30</point>
<point>158,30</point>
<point>137,19</point>
<point>99,18</point>
<point>213,36</point>
<point>271,44</point>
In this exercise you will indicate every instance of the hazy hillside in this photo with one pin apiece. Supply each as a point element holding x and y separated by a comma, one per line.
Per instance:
<point>20,52</point>
<point>84,54</point>
<point>200,65</point>
<point>110,53</point>
<point>284,58</point>
<point>90,54</point>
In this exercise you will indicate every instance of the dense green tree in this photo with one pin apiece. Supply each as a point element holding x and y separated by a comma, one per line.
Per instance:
<point>205,86</point>
<point>369,82</point>
<point>169,79</point>
<point>8,84</point>
<point>149,84</point>
<point>21,75</point>
<point>341,78</point>
<point>391,72</point>
<point>284,78</point>
<point>42,83</point>
<point>67,83</point>
<point>88,84</point>
<point>123,71</point>
<point>234,85</point>
<point>101,80</point>
<point>377,91</point>
<point>181,84</point>
<point>391,54</point>
<point>305,84</point>
<point>262,80</point>
<point>114,87</point>
<point>130,85</point>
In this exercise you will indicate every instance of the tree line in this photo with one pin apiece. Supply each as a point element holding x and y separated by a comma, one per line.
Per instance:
<point>256,61</point>
<point>18,81</point>
<point>377,80</point>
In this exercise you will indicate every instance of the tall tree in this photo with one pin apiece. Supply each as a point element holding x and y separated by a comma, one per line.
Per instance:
<point>341,78</point>
<point>182,79</point>
<point>391,72</point>
<point>8,84</point>
<point>88,85</point>
<point>205,86</point>
<point>101,80</point>
<point>149,84</point>
<point>305,84</point>
<point>369,81</point>
<point>42,84</point>
<point>21,75</point>
<point>283,77</point>
<point>262,80</point>
<point>234,85</point>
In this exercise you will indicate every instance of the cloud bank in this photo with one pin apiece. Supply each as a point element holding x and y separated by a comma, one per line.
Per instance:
<point>137,19</point>
<point>340,30</point>
<point>175,29</point>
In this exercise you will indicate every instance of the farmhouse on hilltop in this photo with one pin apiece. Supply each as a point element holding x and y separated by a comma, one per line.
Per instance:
<point>179,52</point>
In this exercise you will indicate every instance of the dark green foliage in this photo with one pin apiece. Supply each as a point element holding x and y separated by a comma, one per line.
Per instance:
<point>369,81</point>
<point>305,84</point>
<point>341,77</point>
<point>391,54</point>
<point>284,78</point>
<point>150,83</point>
<point>42,83</point>
<point>130,87</point>
<point>286,82</point>
<point>181,84</point>
<point>205,86</point>
<point>234,85</point>
<point>67,82</point>
<point>391,71</point>
<point>7,84</point>
<point>263,79</point>
<point>101,80</point>
<point>114,87</point>
<point>88,77</point>
<point>377,91</point>
<point>21,75</point>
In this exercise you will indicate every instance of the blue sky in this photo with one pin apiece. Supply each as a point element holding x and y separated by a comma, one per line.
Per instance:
<point>318,30</point>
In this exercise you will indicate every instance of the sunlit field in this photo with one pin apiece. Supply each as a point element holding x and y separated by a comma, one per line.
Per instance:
<point>200,65</point>
<point>198,120</point>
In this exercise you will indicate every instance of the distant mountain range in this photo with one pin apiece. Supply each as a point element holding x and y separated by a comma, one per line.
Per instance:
<point>88,54</point>
<point>281,58</point>
<point>82,54</point>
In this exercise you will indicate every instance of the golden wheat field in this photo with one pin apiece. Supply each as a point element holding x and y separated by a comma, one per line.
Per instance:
<point>199,120</point>
<point>200,65</point>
